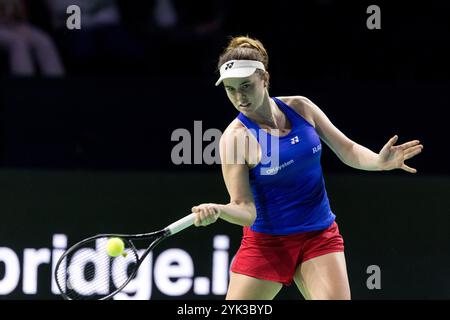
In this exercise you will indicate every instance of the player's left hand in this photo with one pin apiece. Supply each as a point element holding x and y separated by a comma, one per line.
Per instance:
<point>393,157</point>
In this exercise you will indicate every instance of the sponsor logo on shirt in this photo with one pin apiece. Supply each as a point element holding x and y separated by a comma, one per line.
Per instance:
<point>317,148</point>
<point>274,170</point>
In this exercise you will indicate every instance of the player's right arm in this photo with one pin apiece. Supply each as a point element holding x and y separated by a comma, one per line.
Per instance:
<point>241,208</point>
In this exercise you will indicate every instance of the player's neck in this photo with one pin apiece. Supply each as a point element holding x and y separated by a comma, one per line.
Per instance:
<point>268,115</point>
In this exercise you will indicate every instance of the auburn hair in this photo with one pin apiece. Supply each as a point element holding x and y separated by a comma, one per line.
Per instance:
<point>244,48</point>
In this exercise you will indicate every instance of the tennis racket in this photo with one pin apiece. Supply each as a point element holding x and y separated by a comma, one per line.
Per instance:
<point>86,272</point>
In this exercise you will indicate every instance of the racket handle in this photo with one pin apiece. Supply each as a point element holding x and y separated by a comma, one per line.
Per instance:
<point>181,224</point>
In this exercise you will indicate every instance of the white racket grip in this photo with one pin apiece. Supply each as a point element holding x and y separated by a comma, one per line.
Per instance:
<point>181,224</point>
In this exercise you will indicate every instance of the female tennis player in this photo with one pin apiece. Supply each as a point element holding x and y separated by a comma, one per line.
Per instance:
<point>277,190</point>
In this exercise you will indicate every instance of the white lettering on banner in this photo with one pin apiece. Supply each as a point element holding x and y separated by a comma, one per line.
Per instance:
<point>82,257</point>
<point>140,287</point>
<point>174,263</point>
<point>59,245</point>
<point>220,265</point>
<point>201,286</point>
<point>173,271</point>
<point>32,259</point>
<point>11,275</point>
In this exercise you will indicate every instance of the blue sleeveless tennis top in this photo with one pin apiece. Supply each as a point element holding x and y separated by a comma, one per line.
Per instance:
<point>287,184</point>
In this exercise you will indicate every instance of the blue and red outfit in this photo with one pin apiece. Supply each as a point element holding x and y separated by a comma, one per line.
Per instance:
<point>294,221</point>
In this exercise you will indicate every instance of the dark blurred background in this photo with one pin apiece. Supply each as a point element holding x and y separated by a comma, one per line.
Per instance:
<point>81,111</point>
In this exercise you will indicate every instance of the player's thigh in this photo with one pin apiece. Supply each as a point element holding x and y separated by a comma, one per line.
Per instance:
<point>324,277</point>
<point>300,283</point>
<point>243,287</point>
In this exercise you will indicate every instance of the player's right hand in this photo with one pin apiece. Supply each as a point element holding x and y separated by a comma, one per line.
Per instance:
<point>206,214</point>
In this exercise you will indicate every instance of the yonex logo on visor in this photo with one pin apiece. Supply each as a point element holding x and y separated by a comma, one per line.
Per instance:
<point>229,65</point>
<point>239,69</point>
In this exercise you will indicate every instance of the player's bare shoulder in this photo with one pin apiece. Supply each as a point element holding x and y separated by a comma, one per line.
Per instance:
<point>234,130</point>
<point>230,142</point>
<point>238,145</point>
<point>301,105</point>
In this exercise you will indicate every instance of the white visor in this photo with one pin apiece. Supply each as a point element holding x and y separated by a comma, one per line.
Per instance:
<point>239,69</point>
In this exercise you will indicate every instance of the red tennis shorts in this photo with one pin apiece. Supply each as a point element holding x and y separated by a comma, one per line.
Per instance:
<point>276,258</point>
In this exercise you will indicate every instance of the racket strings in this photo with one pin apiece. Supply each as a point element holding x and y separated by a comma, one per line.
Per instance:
<point>88,272</point>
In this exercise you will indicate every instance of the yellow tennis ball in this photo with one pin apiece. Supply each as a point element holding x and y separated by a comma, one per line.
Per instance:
<point>115,247</point>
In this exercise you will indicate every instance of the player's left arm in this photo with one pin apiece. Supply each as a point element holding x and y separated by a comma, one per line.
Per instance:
<point>355,155</point>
